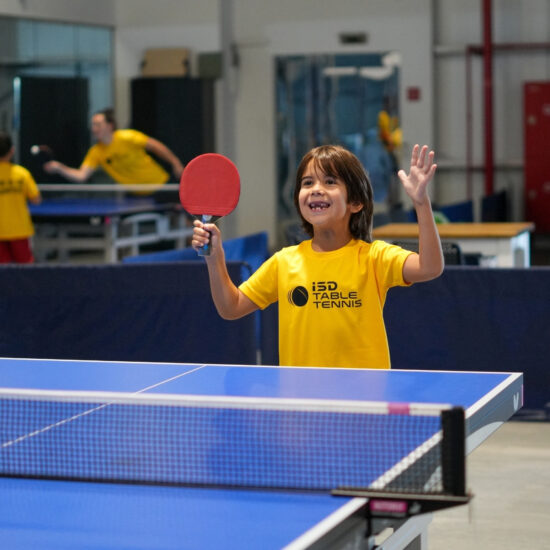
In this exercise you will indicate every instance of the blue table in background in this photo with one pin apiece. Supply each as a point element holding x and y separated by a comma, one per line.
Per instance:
<point>109,225</point>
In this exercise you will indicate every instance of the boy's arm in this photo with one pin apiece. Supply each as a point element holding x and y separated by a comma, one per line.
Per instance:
<point>230,302</point>
<point>32,193</point>
<point>164,153</point>
<point>73,174</point>
<point>428,263</point>
<point>36,199</point>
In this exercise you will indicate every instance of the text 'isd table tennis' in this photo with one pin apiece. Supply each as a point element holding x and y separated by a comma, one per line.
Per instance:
<point>109,225</point>
<point>214,456</point>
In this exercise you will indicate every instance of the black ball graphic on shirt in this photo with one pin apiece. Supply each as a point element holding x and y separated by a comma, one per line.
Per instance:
<point>298,296</point>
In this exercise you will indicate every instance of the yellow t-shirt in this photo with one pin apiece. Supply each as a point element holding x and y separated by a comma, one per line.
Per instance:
<point>330,303</point>
<point>125,159</point>
<point>16,186</point>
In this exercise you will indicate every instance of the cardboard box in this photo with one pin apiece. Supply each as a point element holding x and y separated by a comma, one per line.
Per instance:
<point>166,62</point>
<point>210,65</point>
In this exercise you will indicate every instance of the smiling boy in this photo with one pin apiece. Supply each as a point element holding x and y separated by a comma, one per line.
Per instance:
<point>331,289</point>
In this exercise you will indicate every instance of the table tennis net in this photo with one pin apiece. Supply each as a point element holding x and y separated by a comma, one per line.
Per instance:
<point>193,441</point>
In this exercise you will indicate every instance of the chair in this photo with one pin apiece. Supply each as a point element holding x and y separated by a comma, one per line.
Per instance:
<point>458,212</point>
<point>452,254</point>
<point>494,208</point>
<point>250,249</point>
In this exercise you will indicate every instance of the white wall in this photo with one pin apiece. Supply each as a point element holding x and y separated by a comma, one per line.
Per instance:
<point>285,28</point>
<point>267,28</point>
<point>264,29</point>
<point>142,24</point>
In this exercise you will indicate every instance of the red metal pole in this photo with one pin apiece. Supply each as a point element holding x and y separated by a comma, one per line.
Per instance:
<point>488,94</point>
<point>471,50</point>
<point>469,133</point>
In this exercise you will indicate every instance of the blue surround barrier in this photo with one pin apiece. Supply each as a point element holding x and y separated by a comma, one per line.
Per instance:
<point>476,319</point>
<point>150,312</point>
<point>470,318</point>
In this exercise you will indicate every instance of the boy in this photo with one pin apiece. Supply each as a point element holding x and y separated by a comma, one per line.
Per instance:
<point>331,289</point>
<point>16,187</point>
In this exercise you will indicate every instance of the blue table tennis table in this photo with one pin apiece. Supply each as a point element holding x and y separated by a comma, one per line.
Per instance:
<point>109,225</point>
<point>47,514</point>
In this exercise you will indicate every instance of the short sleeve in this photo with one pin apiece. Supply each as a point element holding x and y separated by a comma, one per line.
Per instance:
<point>262,286</point>
<point>91,159</point>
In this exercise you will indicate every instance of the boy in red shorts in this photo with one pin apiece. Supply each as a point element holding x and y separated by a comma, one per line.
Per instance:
<point>17,186</point>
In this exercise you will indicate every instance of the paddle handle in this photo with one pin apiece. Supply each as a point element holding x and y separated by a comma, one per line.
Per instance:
<point>207,248</point>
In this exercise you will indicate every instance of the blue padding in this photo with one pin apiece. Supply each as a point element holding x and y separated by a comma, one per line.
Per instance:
<point>250,249</point>
<point>269,334</point>
<point>153,312</point>
<point>469,319</point>
<point>180,255</point>
<point>476,319</point>
<point>458,212</point>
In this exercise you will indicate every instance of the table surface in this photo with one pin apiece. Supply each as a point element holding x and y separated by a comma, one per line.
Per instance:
<point>68,514</point>
<point>82,207</point>
<point>455,230</point>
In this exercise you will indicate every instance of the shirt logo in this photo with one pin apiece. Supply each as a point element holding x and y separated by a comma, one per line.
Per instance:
<point>11,186</point>
<point>324,295</point>
<point>298,296</point>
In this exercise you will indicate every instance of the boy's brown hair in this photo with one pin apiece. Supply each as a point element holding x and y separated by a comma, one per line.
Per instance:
<point>338,162</point>
<point>5,144</point>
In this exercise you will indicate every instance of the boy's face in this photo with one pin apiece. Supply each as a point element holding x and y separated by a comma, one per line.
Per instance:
<point>323,199</point>
<point>101,129</point>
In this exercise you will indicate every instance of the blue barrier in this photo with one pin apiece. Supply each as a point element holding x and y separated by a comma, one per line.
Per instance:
<point>455,212</point>
<point>149,312</point>
<point>458,212</point>
<point>250,249</point>
<point>468,319</point>
<point>476,319</point>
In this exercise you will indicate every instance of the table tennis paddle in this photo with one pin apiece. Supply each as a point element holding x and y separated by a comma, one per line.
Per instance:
<point>209,189</point>
<point>42,153</point>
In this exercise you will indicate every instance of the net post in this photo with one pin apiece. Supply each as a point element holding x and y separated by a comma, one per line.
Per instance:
<point>453,451</point>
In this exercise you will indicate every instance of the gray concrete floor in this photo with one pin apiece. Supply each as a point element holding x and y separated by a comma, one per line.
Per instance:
<point>509,475</point>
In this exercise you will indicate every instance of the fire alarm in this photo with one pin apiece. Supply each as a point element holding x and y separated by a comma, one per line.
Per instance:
<point>413,93</point>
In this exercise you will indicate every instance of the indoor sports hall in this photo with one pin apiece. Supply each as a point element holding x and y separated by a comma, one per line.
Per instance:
<point>222,221</point>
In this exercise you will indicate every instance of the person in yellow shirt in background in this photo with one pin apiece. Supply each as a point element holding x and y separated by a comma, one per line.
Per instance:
<point>17,186</point>
<point>122,154</point>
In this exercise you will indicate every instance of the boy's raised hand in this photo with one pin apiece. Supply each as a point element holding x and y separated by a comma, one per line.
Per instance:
<point>421,172</point>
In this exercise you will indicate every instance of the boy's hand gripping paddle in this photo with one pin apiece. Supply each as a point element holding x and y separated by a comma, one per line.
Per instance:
<point>209,189</point>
